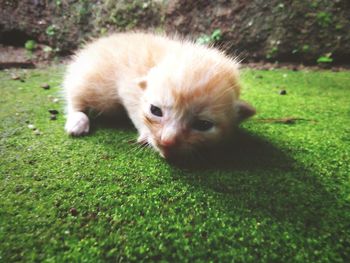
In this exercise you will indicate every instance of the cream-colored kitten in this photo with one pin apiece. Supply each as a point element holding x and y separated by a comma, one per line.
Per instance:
<point>179,95</point>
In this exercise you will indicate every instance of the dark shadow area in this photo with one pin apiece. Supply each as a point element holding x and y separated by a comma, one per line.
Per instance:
<point>251,172</point>
<point>15,37</point>
<point>244,151</point>
<point>118,122</point>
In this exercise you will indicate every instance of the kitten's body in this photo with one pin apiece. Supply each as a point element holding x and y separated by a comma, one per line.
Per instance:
<point>187,84</point>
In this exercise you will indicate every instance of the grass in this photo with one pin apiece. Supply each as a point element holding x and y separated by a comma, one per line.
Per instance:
<point>281,193</point>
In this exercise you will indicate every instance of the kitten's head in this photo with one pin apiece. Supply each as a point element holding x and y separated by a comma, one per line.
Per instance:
<point>189,105</point>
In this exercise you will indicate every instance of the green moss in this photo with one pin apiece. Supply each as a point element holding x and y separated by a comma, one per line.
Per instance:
<point>281,194</point>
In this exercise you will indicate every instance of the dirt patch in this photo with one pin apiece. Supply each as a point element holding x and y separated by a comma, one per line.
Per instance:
<point>293,31</point>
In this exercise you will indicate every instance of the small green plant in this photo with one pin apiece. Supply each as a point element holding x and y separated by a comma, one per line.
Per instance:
<point>216,35</point>
<point>281,6</point>
<point>314,4</point>
<point>205,39</point>
<point>50,52</point>
<point>30,45</point>
<point>47,49</point>
<point>339,26</point>
<point>325,59</point>
<point>272,53</point>
<point>103,31</point>
<point>305,48</point>
<point>324,19</point>
<point>51,30</point>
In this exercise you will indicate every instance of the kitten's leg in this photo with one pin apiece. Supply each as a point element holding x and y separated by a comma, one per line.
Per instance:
<point>77,123</point>
<point>76,92</point>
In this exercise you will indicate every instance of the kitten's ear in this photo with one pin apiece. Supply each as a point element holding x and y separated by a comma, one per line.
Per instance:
<point>142,83</point>
<point>244,110</point>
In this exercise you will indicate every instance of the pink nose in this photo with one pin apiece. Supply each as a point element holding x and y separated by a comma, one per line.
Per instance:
<point>168,142</point>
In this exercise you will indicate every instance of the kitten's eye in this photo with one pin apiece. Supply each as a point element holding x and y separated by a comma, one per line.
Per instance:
<point>156,111</point>
<point>202,125</point>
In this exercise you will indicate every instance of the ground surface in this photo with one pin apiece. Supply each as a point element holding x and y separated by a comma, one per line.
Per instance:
<point>280,194</point>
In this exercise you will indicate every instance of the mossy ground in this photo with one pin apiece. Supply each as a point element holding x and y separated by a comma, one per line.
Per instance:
<point>281,194</point>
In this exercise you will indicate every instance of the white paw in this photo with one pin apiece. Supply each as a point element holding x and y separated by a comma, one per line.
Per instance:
<point>77,124</point>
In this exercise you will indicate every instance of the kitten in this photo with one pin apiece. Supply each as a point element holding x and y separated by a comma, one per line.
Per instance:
<point>179,95</point>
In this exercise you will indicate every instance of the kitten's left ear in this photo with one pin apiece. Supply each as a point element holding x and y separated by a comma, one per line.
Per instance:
<point>244,110</point>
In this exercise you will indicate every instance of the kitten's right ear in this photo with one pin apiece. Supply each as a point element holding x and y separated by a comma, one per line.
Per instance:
<point>244,110</point>
<point>142,83</point>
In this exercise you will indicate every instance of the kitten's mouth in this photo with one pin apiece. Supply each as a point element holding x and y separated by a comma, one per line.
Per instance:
<point>167,153</point>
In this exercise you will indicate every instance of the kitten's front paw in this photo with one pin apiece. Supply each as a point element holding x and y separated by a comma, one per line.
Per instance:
<point>77,124</point>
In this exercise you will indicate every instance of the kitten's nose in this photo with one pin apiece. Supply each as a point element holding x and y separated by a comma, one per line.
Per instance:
<point>168,142</point>
<point>169,136</point>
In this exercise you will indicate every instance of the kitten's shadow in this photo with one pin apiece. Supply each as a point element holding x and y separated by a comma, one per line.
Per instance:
<point>251,172</point>
<point>245,151</point>
<point>114,122</point>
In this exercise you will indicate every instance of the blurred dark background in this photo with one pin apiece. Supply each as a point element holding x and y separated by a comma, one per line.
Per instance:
<point>309,32</point>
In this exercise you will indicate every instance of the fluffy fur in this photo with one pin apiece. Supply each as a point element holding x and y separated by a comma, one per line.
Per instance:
<point>196,89</point>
